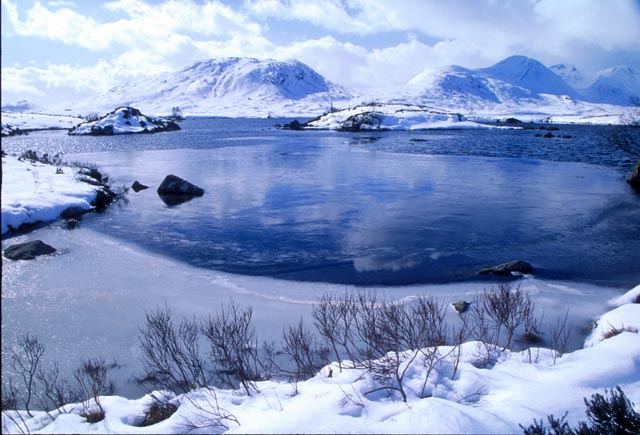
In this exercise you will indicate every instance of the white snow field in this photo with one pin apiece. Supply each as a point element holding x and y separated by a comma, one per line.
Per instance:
<point>34,192</point>
<point>96,290</point>
<point>38,121</point>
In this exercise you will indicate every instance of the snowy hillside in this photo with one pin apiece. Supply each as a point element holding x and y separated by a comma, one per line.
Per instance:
<point>570,74</point>
<point>226,87</point>
<point>124,120</point>
<point>237,87</point>
<point>529,74</point>
<point>618,85</point>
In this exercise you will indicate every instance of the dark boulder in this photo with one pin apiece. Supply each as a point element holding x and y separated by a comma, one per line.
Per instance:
<point>73,212</point>
<point>461,306</point>
<point>137,186</point>
<point>173,185</point>
<point>634,178</point>
<point>548,135</point>
<point>104,197</point>
<point>293,125</point>
<point>512,121</point>
<point>507,268</point>
<point>28,251</point>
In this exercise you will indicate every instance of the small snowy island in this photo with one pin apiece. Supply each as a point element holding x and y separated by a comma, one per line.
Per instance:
<point>390,117</point>
<point>124,120</point>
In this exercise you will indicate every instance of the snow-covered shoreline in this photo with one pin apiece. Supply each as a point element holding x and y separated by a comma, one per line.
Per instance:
<point>35,192</point>
<point>477,399</point>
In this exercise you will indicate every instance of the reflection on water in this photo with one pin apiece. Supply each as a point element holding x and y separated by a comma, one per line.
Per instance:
<point>320,209</point>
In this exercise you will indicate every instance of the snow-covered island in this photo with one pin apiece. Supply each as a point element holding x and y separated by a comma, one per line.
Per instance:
<point>124,120</point>
<point>391,117</point>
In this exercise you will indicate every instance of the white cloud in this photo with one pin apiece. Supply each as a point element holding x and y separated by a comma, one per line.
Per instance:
<point>140,37</point>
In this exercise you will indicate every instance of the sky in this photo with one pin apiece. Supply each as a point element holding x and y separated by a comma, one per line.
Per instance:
<point>61,50</point>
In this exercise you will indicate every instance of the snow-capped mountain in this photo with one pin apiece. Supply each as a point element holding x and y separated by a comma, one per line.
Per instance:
<point>529,74</point>
<point>618,85</point>
<point>259,88</point>
<point>515,81</point>
<point>462,86</point>
<point>226,87</point>
<point>570,74</point>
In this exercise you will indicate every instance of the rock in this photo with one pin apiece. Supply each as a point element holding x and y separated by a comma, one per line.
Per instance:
<point>548,135</point>
<point>461,306</point>
<point>507,268</point>
<point>73,212</point>
<point>137,186</point>
<point>104,197</point>
<point>634,178</point>
<point>28,251</point>
<point>293,125</point>
<point>173,185</point>
<point>512,121</point>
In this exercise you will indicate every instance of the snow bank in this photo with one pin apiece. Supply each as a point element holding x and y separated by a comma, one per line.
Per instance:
<point>124,120</point>
<point>624,318</point>
<point>35,192</point>
<point>391,117</point>
<point>37,121</point>
<point>463,398</point>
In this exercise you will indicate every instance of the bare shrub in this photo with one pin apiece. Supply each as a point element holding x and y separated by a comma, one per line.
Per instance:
<point>508,309</point>
<point>92,381</point>
<point>208,415</point>
<point>234,346</point>
<point>560,333</point>
<point>25,361</point>
<point>55,391</point>
<point>384,337</point>
<point>300,345</point>
<point>170,355</point>
<point>158,412</point>
<point>333,318</point>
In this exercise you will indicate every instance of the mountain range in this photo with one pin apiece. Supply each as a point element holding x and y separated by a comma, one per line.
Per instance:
<point>251,87</point>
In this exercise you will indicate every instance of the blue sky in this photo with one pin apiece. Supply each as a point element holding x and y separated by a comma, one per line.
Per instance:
<point>62,49</point>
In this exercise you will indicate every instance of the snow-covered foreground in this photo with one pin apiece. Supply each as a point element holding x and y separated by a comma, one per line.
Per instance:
<point>34,192</point>
<point>470,399</point>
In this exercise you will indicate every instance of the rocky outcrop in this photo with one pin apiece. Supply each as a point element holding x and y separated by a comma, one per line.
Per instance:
<point>505,269</point>
<point>634,178</point>
<point>124,120</point>
<point>28,250</point>
<point>73,212</point>
<point>174,190</point>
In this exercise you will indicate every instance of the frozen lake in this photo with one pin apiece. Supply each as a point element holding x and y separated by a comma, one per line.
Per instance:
<point>393,208</point>
<point>289,215</point>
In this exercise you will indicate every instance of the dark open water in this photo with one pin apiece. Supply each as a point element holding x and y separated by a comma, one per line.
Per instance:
<point>375,208</point>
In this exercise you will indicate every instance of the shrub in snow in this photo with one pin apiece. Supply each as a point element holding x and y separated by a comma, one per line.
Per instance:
<point>171,356</point>
<point>300,345</point>
<point>611,414</point>
<point>92,382</point>
<point>234,348</point>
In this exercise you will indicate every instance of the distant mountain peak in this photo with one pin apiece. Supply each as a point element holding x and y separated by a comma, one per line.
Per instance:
<point>230,86</point>
<point>530,74</point>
